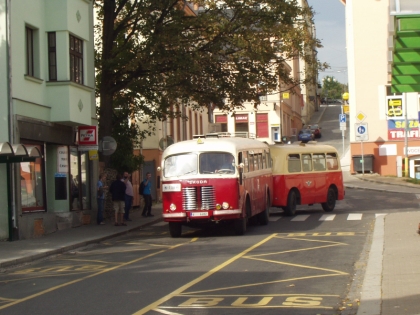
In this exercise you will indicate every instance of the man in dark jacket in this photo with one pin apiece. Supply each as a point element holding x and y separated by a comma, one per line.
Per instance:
<point>117,190</point>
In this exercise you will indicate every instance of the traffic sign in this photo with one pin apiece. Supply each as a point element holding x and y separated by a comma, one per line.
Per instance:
<point>342,118</point>
<point>361,131</point>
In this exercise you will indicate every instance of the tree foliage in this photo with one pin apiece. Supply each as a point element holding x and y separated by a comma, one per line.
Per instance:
<point>150,55</point>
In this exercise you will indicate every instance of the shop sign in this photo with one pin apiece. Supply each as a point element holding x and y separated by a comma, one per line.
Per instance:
<point>62,159</point>
<point>241,118</point>
<point>396,129</point>
<point>88,135</point>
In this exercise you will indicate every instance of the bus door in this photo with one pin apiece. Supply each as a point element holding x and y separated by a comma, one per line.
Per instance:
<point>319,165</point>
<point>307,181</point>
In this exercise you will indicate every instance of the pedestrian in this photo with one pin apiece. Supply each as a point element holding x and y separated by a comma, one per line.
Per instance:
<point>100,186</point>
<point>147,195</point>
<point>117,190</point>
<point>128,196</point>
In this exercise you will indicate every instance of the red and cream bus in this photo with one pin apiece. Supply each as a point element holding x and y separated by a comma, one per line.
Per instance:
<point>215,179</point>
<point>305,174</point>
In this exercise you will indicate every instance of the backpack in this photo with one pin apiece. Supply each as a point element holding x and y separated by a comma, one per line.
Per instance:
<point>141,188</point>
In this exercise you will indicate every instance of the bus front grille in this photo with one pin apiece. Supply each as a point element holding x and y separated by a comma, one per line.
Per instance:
<point>198,198</point>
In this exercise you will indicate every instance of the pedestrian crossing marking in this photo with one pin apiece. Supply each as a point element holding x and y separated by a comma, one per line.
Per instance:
<point>378,215</point>
<point>354,216</point>
<point>300,217</point>
<point>327,217</point>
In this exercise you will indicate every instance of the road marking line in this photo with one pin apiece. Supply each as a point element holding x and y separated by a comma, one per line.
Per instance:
<point>379,215</point>
<point>300,217</point>
<point>327,217</point>
<point>89,276</point>
<point>273,219</point>
<point>179,291</point>
<point>354,216</point>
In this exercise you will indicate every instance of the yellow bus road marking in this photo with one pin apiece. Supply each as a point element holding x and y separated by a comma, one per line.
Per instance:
<point>323,234</point>
<point>30,297</point>
<point>155,305</point>
<point>298,265</point>
<point>264,283</point>
<point>252,301</point>
<point>2,299</point>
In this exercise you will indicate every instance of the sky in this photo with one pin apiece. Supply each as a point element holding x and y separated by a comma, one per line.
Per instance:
<point>330,30</point>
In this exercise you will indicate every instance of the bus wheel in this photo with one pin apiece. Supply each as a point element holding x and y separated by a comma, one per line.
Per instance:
<point>263,216</point>
<point>175,229</point>
<point>290,209</point>
<point>330,204</point>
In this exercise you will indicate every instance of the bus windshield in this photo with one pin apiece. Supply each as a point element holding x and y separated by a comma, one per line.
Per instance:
<point>181,164</point>
<point>209,163</point>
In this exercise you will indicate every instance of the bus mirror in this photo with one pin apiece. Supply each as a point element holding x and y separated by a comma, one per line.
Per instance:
<point>159,169</point>
<point>241,165</point>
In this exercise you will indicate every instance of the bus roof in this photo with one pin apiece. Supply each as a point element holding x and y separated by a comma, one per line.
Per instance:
<point>214,144</point>
<point>302,148</point>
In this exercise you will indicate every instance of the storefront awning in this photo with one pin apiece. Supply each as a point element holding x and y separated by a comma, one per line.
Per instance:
<point>17,153</point>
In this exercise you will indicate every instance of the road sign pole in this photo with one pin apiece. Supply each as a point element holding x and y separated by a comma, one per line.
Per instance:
<point>342,131</point>
<point>363,160</point>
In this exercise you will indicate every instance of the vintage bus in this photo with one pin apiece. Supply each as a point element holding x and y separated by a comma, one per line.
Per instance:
<point>306,174</point>
<point>214,179</point>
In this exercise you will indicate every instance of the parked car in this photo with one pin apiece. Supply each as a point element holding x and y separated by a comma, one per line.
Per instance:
<point>316,130</point>
<point>306,135</point>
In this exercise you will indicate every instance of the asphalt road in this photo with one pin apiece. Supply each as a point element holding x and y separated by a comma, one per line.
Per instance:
<point>310,263</point>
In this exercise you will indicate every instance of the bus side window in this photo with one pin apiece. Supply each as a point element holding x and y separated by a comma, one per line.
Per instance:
<point>258,161</point>
<point>269,160</point>
<point>319,162</point>
<point>251,158</point>
<point>332,162</point>
<point>264,160</point>
<point>306,162</point>
<point>293,163</point>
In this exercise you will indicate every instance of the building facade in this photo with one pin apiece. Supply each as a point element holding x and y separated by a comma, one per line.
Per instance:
<point>47,79</point>
<point>384,103</point>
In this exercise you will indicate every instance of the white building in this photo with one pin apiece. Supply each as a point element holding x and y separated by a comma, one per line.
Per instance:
<point>383,61</point>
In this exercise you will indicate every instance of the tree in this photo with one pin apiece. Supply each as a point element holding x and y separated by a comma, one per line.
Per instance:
<point>151,55</point>
<point>331,88</point>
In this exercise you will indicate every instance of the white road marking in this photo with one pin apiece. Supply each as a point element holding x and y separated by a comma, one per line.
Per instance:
<point>327,217</point>
<point>354,216</point>
<point>300,217</point>
<point>273,219</point>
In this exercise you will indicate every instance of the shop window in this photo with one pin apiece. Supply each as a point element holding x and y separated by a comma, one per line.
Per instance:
<point>32,184</point>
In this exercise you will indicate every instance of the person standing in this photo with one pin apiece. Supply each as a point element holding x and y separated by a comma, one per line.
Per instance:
<point>128,196</point>
<point>100,186</point>
<point>147,195</point>
<point>117,190</point>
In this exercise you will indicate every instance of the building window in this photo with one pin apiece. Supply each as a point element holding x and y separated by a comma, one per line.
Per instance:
<point>32,183</point>
<point>52,57</point>
<point>29,51</point>
<point>76,60</point>
<point>262,125</point>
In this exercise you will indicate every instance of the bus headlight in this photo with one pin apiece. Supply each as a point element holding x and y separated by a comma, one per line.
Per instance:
<point>225,205</point>
<point>172,207</point>
<point>218,206</point>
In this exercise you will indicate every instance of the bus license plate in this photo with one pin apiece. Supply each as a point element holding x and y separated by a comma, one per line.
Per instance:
<point>199,214</point>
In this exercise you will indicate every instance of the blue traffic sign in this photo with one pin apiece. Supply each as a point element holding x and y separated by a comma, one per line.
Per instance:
<point>342,118</point>
<point>361,130</point>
